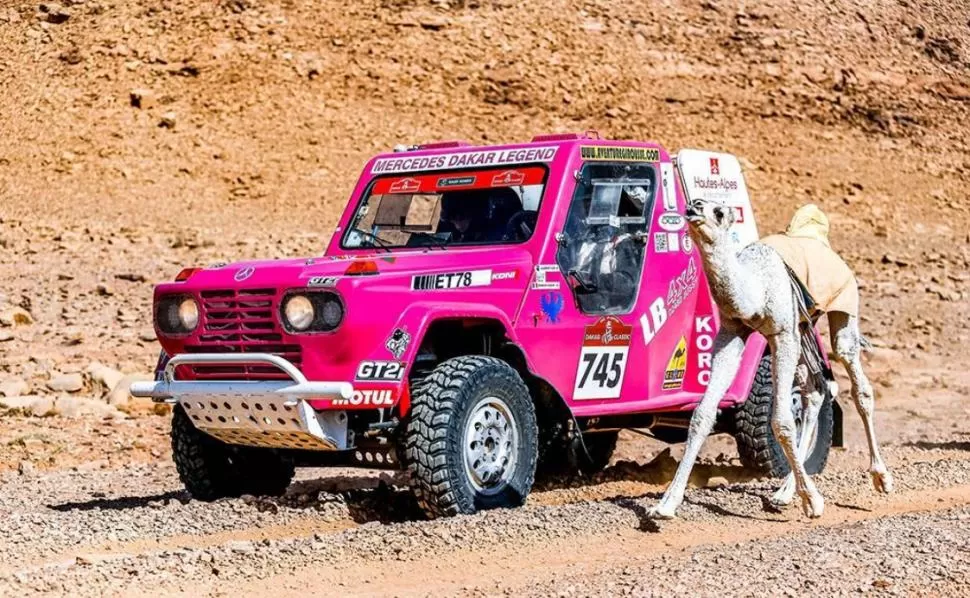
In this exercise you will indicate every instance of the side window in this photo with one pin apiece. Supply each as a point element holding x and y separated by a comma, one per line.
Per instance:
<point>602,251</point>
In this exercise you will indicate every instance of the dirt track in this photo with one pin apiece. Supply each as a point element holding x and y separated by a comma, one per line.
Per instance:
<point>255,121</point>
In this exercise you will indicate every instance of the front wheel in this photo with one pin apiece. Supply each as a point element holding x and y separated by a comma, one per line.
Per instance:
<point>757,446</point>
<point>471,437</point>
<point>211,469</point>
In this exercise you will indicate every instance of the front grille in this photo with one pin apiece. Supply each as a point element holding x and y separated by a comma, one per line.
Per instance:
<point>240,321</point>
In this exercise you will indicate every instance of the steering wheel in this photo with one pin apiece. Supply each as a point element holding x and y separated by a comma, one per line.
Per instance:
<point>521,225</point>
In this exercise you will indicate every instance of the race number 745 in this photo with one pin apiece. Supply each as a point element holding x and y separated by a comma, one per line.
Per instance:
<point>600,372</point>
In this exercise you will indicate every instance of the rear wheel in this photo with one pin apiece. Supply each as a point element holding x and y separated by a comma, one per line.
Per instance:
<point>757,446</point>
<point>211,469</point>
<point>471,437</point>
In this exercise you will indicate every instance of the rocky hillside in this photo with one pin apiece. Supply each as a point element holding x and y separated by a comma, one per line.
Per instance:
<point>139,137</point>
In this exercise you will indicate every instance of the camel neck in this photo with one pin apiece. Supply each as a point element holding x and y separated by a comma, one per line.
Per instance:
<point>722,268</point>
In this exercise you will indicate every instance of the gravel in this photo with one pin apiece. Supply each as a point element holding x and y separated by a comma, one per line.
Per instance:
<point>92,532</point>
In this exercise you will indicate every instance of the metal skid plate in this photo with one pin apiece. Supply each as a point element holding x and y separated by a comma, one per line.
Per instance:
<point>270,422</point>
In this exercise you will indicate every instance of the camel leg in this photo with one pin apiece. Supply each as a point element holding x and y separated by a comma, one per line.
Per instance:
<point>847,342</point>
<point>728,348</point>
<point>811,405</point>
<point>784,358</point>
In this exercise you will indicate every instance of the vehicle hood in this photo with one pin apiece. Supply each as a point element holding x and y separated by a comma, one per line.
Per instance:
<point>306,272</point>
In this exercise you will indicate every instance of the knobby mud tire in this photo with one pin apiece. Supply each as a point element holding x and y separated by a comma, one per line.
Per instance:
<point>757,446</point>
<point>440,407</point>
<point>211,469</point>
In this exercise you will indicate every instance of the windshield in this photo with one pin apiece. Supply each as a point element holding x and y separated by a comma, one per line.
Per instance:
<point>475,207</point>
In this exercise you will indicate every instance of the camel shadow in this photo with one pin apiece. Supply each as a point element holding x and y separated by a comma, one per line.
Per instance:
<point>122,503</point>
<point>950,445</point>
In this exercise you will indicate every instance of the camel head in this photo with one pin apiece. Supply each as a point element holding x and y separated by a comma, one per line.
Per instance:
<point>709,223</point>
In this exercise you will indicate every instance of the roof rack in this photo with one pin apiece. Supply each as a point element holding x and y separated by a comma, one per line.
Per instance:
<point>443,144</point>
<point>567,136</point>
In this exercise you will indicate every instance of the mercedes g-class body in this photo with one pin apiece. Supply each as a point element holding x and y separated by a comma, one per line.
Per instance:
<point>479,313</point>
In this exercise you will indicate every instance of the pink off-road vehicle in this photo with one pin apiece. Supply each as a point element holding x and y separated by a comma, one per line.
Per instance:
<point>481,313</point>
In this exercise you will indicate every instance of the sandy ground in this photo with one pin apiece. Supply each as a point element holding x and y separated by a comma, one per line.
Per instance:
<point>136,140</point>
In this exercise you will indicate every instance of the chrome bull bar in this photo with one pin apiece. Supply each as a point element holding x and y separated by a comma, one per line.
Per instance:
<point>264,413</point>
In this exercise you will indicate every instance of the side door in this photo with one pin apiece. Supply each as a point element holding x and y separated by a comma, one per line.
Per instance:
<point>603,290</point>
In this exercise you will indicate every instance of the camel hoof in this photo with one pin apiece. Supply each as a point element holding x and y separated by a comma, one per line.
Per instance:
<point>882,480</point>
<point>661,512</point>
<point>782,498</point>
<point>813,504</point>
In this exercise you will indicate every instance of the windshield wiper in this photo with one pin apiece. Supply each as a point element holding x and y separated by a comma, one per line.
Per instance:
<point>434,239</point>
<point>375,240</point>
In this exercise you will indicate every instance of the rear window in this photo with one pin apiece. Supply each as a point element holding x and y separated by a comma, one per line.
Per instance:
<point>474,207</point>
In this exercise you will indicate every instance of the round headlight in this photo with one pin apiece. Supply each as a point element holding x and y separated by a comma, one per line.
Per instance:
<point>189,314</point>
<point>332,313</point>
<point>299,312</point>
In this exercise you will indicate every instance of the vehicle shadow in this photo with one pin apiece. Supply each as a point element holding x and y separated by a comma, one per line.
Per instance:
<point>659,471</point>
<point>384,497</point>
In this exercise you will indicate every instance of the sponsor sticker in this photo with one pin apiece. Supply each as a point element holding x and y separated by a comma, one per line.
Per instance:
<point>602,360</point>
<point>715,167</point>
<point>398,342</point>
<point>676,366</point>
<point>322,281</point>
<point>619,154</point>
<point>687,243</point>
<point>464,159</point>
<point>552,304</point>
<point>369,398</point>
<point>451,280</point>
<point>665,242</point>
<point>667,182</point>
<point>389,371</point>
<point>682,286</point>
<point>542,281</point>
<point>459,181</point>
<point>405,186</point>
<point>704,343</point>
<point>504,275</point>
<point>508,178</point>
<point>671,222</point>
<point>243,273</point>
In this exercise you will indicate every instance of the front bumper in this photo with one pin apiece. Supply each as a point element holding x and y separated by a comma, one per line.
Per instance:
<point>270,413</point>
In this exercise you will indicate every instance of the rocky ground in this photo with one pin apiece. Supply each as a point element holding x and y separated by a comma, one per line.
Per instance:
<point>137,139</point>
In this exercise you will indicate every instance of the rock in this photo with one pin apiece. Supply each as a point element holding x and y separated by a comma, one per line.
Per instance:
<point>168,120</point>
<point>72,56</point>
<point>15,316</point>
<point>28,405</point>
<point>106,376</point>
<point>66,382</point>
<point>74,407</point>
<point>130,277</point>
<point>5,336</point>
<point>104,290</point>
<point>15,387</point>
<point>241,547</point>
<point>53,13</point>
<point>717,482</point>
<point>142,98</point>
<point>120,393</point>
<point>25,468</point>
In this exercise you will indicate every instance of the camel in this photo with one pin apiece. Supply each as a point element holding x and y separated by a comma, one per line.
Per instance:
<point>754,292</point>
